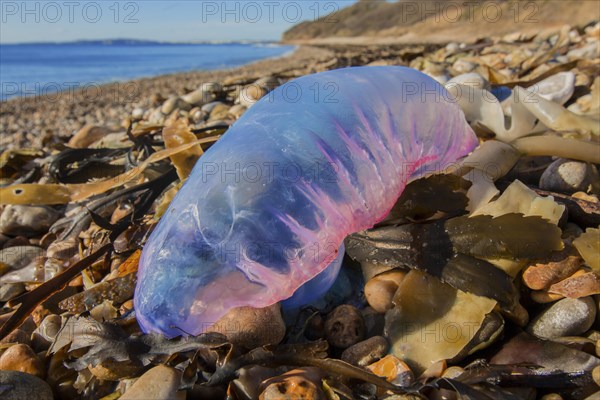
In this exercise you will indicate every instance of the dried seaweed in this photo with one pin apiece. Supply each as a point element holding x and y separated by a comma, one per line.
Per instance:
<point>12,162</point>
<point>105,340</point>
<point>73,225</point>
<point>176,133</point>
<point>583,212</point>
<point>511,236</point>
<point>33,298</point>
<point>61,194</point>
<point>557,146</point>
<point>311,354</point>
<point>423,198</point>
<point>449,250</point>
<point>81,165</point>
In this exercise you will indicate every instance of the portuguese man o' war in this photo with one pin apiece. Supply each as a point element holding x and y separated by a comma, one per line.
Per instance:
<point>266,208</point>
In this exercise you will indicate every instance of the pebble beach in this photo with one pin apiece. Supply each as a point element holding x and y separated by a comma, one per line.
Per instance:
<point>78,338</point>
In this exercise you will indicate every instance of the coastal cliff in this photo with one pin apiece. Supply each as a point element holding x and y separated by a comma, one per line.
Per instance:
<point>435,21</point>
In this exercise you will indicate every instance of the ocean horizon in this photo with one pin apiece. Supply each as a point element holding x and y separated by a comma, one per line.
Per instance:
<point>29,69</point>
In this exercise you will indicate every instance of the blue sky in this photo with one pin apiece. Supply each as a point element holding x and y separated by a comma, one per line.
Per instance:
<point>41,21</point>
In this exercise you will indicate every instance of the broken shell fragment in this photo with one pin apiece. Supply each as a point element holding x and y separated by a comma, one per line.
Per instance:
<point>380,289</point>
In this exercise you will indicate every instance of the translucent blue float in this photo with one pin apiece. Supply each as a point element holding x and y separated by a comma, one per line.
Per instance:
<point>267,207</point>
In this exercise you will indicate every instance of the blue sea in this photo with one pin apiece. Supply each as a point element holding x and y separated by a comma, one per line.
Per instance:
<point>40,68</point>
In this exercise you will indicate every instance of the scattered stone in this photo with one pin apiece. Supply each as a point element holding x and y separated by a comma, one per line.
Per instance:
<point>88,135</point>
<point>17,336</point>
<point>366,352</point>
<point>441,79</point>
<point>17,241</point>
<point>583,104</point>
<point>543,296</point>
<point>344,326</point>
<point>44,334</point>
<point>404,397</point>
<point>9,291</point>
<point>452,47</point>
<point>569,176</point>
<point>596,375</point>
<point>571,231</point>
<point>200,391</point>
<point>393,370</point>
<point>463,66</point>
<point>32,272</point>
<point>174,103</point>
<point>567,317</point>
<point>204,94</point>
<point>237,111</point>
<point>117,140</point>
<point>251,94</point>
<point>137,113</point>
<point>453,372</point>
<point>302,383</point>
<point>380,289</point>
<point>207,108</point>
<point>16,385</point>
<point>28,325</point>
<point>157,98</point>
<point>519,316</point>
<point>591,50</point>
<point>557,88</point>
<point>378,63</point>
<point>252,327</point>
<point>20,357</point>
<point>219,111</point>
<point>197,115</point>
<point>371,269</point>
<point>63,249</point>
<point>218,122</point>
<point>27,220</point>
<point>551,396</point>
<point>268,82</point>
<point>472,79</point>
<point>17,257</point>
<point>3,239</point>
<point>158,383</point>
<point>435,370</point>
<point>156,117</point>
<point>60,378</point>
<point>550,280</point>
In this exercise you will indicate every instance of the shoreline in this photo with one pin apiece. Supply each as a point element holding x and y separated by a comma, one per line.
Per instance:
<point>50,120</point>
<point>289,53</point>
<point>30,121</point>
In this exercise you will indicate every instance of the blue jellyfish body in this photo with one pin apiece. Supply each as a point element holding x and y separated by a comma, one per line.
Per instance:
<point>267,207</point>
